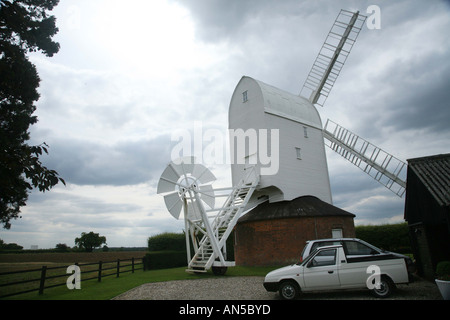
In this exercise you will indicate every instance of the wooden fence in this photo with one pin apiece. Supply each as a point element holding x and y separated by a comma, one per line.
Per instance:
<point>47,277</point>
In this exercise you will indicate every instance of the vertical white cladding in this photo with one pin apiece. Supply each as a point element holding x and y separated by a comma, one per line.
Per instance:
<point>302,164</point>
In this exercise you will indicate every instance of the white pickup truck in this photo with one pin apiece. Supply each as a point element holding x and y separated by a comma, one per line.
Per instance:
<point>328,268</point>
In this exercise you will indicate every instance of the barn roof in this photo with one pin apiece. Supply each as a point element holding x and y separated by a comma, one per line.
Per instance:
<point>306,206</point>
<point>434,173</point>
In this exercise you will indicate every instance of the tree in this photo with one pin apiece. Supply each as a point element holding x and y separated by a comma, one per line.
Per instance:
<point>90,241</point>
<point>9,246</point>
<point>25,26</point>
<point>62,247</point>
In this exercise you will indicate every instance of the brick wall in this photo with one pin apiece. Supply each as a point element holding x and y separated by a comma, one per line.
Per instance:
<point>281,241</point>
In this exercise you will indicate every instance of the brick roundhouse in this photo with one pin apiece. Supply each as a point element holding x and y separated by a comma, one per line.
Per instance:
<point>275,233</point>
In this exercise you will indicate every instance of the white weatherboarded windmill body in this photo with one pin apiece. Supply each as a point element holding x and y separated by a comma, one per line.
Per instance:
<point>302,167</point>
<point>290,129</point>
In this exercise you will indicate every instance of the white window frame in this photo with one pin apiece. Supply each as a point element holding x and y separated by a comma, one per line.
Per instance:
<point>298,152</point>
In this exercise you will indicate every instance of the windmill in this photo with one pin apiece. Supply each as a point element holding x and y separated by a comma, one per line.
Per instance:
<point>303,168</point>
<point>257,107</point>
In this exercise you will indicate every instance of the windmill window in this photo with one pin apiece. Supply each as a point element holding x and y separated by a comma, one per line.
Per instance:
<point>305,132</point>
<point>299,153</point>
<point>244,96</point>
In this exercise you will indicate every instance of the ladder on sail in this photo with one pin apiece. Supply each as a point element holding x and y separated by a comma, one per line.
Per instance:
<point>211,248</point>
<point>380,165</point>
<point>332,56</point>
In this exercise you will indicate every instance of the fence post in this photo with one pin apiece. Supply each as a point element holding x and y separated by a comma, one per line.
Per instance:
<point>42,282</point>
<point>132,265</point>
<point>118,267</point>
<point>100,271</point>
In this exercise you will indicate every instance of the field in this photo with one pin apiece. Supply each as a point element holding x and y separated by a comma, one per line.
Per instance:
<point>34,261</point>
<point>19,261</point>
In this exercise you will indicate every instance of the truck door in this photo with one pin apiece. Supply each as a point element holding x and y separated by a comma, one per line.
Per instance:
<point>321,272</point>
<point>359,256</point>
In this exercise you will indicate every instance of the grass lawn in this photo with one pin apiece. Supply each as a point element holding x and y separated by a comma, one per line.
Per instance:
<point>112,286</point>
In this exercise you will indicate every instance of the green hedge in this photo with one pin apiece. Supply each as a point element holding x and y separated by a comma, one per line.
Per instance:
<point>443,270</point>
<point>391,237</point>
<point>167,241</point>
<point>164,259</point>
<point>168,250</point>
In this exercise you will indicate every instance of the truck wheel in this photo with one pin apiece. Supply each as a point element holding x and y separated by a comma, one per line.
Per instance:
<point>289,290</point>
<point>386,288</point>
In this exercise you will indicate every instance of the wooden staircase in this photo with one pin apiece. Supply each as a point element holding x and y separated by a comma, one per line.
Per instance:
<point>212,246</point>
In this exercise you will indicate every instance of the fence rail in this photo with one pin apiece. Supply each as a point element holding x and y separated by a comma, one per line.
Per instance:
<point>102,270</point>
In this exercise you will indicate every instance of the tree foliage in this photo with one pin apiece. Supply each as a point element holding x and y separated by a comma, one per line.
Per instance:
<point>62,247</point>
<point>90,241</point>
<point>25,26</point>
<point>167,241</point>
<point>391,237</point>
<point>9,246</point>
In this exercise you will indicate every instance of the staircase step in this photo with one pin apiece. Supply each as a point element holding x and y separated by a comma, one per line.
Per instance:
<point>196,270</point>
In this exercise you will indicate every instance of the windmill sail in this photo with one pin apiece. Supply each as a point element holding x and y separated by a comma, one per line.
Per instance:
<point>380,165</point>
<point>332,56</point>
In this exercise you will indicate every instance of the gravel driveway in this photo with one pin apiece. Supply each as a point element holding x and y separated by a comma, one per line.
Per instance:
<point>251,288</point>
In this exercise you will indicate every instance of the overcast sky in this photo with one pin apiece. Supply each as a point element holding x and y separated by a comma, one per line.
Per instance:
<point>130,74</point>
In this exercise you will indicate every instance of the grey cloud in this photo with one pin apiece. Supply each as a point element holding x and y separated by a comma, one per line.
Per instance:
<point>380,210</point>
<point>67,211</point>
<point>367,199</point>
<point>73,204</point>
<point>273,37</point>
<point>423,105</point>
<point>217,19</point>
<point>124,163</point>
<point>352,182</point>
